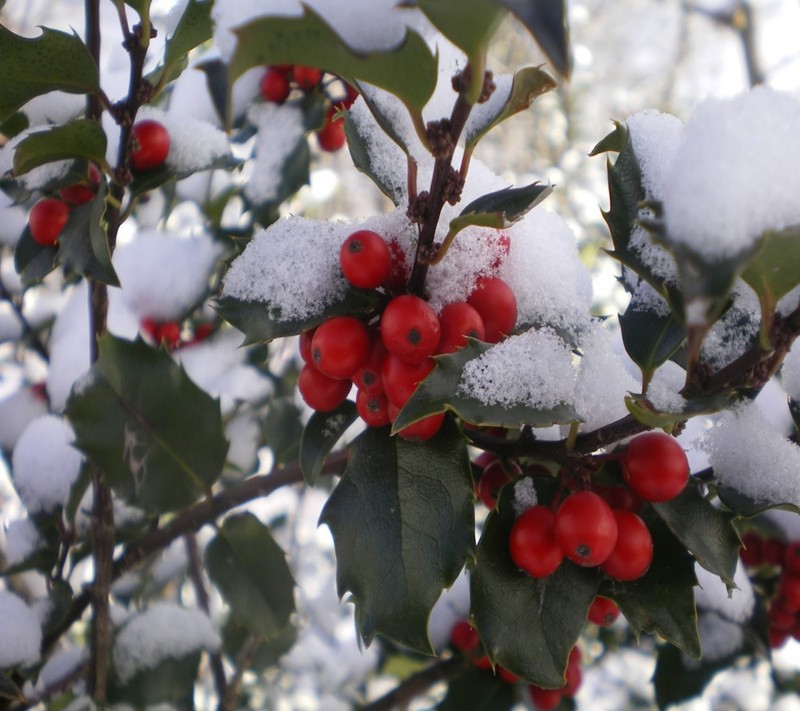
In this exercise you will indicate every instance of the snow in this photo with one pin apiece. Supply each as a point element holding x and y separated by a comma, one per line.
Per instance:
<point>735,331</point>
<point>790,372</point>
<point>69,346</point>
<point>751,457</point>
<point>38,177</point>
<point>19,405</point>
<point>45,464</point>
<point>719,638</point>
<point>20,633</point>
<point>13,219</point>
<point>293,266</point>
<point>711,595</point>
<point>734,174</point>
<point>452,606</point>
<point>664,388</point>
<point>524,495</point>
<point>22,539</point>
<point>59,666</point>
<point>163,631</point>
<point>484,113</point>
<point>533,369</point>
<point>280,129</point>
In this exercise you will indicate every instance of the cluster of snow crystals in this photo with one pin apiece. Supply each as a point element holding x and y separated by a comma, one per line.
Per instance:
<point>38,177</point>
<point>603,380</point>
<point>712,595</point>
<point>163,631</point>
<point>193,144</point>
<point>45,464</point>
<point>280,129</point>
<point>20,633</point>
<point>751,457</point>
<point>533,369</point>
<point>664,389</point>
<point>790,372</point>
<point>484,113</point>
<point>364,25</point>
<point>293,266</point>
<point>646,298</point>
<point>735,331</point>
<point>22,539</point>
<point>13,219</point>
<point>524,495</point>
<point>545,272</point>
<point>162,275</point>
<point>452,606</point>
<point>735,173</point>
<point>18,407</point>
<point>69,346</point>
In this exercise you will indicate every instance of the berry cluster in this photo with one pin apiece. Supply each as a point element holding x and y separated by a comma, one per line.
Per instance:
<point>279,80</point>
<point>763,557</point>
<point>172,334</point>
<point>388,357</point>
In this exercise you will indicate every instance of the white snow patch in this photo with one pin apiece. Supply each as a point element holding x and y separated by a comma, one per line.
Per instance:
<point>524,495</point>
<point>18,407</point>
<point>712,594</point>
<point>664,389</point>
<point>22,539</point>
<point>790,372</point>
<point>69,346</point>
<point>20,633</point>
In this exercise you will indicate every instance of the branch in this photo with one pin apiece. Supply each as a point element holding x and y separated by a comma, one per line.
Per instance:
<point>416,684</point>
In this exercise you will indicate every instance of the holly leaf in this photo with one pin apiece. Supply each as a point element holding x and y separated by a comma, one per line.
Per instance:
<point>662,600</point>
<point>320,436</point>
<point>546,20</point>
<point>527,625</point>
<point>33,261</point>
<point>528,84</point>
<point>501,208</point>
<point>263,653</point>
<point>439,392</point>
<point>81,138</point>
<point>156,436</point>
<point>408,70</point>
<point>642,409</point>
<point>650,338</point>
<point>170,682</point>
<point>469,29</point>
<point>704,529</point>
<point>402,519</point>
<point>251,572</point>
<point>478,690</point>
<point>261,322</point>
<point>35,66</point>
<point>282,429</point>
<point>362,159</point>
<point>194,28</point>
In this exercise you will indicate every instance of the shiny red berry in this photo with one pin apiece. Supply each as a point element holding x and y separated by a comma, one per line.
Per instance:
<point>365,259</point>
<point>423,429</point>
<point>492,480</point>
<point>340,346</point>
<point>368,377</point>
<point>494,300</point>
<point>464,637</point>
<point>655,466</point>
<point>331,136</point>
<point>150,145</point>
<point>633,551</point>
<point>320,392</point>
<point>275,85</point>
<point>603,612</point>
<point>400,379</point>
<point>83,192</point>
<point>585,528</point>
<point>458,321</point>
<point>373,409</point>
<point>532,542</point>
<point>544,699</point>
<point>46,220</point>
<point>306,77</point>
<point>410,328</point>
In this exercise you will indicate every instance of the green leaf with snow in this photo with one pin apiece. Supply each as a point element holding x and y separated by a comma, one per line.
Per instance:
<point>81,138</point>
<point>32,67</point>
<point>662,600</point>
<point>546,20</point>
<point>440,392</point>
<point>260,322</point>
<point>362,159</point>
<point>323,431</point>
<point>155,435</point>
<point>408,70</point>
<point>251,572</point>
<point>402,519</point>
<point>706,530</point>
<point>501,208</point>
<point>527,85</point>
<point>527,625</point>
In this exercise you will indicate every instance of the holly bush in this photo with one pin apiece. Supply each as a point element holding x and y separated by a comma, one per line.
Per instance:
<point>505,481</point>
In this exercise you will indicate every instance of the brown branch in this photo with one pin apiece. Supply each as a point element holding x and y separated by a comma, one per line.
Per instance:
<point>416,684</point>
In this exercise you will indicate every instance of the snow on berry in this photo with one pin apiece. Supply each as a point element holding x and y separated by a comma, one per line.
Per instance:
<point>533,368</point>
<point>750,456</point>
<point>45,464</point>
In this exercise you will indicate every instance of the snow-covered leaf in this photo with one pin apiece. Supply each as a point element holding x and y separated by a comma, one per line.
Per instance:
<point>81,138</point>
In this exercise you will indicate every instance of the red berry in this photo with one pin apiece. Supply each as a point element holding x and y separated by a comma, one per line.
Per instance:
<point>633,551</point>
<point>331,136</point>
<point>574,676</point>
<point>490,483</point>
<point>772,552</point>
<point>169,333</point>
<point>365,259</point>
<point>751,551</point>
<point>781,617</point>
<point>275,85</point>
<point>655,466</point>
<point>306,77</point>
<point>777,638</point>
<point>789,591</point>
<point>457,321</point>
<point>791,558</point>
<point>372,408</point>
<point>150,145</point>
<point>304,344</point>
<point>320,392</point>
<point>46,220</point>
<point>618,497</point>
<point>532,542</point>
<point>352,95</point>
<point>368,377</point>
<point>494,300</point>
<point>398,274</point>
<point>464,637</point>
<point>340,346</point>
<point>482,662</point>
<point>585,528</point>
<point>603,612</point>
<point>544,699</point>
<point>410,328</point>
<point>423,429</point>
<point>506,676</point>
<point>400,379</point>
<point>83,192</point>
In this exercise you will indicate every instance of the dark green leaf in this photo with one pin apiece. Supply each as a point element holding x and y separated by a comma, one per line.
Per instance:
<point>78,139</point>
<point>261,324</point>
<point>470,28</point>
<point>362,159</point>
<point>14,125</point>
<point>170,682</point>
<point>675,681</point>
<point>194,28</point>
<point>546,20</point>
<point>662,600</point>
<point>282,429</point>
<point>650,338</point>
<point>32,261</point>
<point>527,625</point>
<point>512,203</point>
<point>407,70</point>
<point>8,689</point>
<point>641,408</point>
<point>704,529</point>
<point>528,84</point>
<point>216,72</point>
<point>744,506</point>
<point>251,572</point>
<point>402,519</point>
<point>320,436</point>
<point>83,245</point>
<point>439,392</point>
<point>263,653</point>
<point>156,436</point>
<point>478,690</point>
<point>32,67</point>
